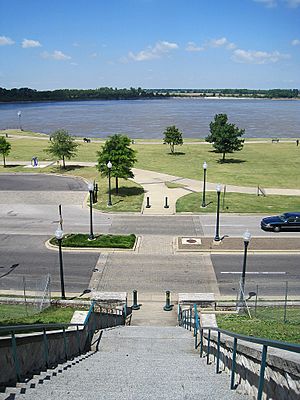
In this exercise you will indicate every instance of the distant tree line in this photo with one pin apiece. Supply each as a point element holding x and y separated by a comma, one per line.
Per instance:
<point>254,93</point>
<point>104,93</point>
<point>108,93</point>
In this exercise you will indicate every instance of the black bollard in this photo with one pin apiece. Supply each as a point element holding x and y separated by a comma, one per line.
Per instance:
<point>166,203</point>
<point>148,203</point>
<point>168,306</point>
<point>135,305</point>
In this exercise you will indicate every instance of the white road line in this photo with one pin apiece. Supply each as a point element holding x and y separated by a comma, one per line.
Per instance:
<point>255,273</point>
<point>234,225</point>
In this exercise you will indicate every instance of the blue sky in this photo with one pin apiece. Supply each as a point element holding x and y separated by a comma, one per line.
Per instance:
<point>150,43</point>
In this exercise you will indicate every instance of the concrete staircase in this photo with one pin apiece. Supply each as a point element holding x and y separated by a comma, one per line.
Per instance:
<point>134,363</point>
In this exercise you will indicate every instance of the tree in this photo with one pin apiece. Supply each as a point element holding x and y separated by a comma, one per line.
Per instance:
<point>117,150</point>
<point>5,147</point>
<point>225,136</point>
<point>173,137</point>
<point>62,145</point>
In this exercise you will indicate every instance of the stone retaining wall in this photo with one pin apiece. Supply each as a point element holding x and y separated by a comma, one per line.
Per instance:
<point>282,373</point>
<point>32,357</point>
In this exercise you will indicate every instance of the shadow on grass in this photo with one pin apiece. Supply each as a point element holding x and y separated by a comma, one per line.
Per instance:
<point>12,166</point>
<point>231,161</point>
<point>177,153</point>
<point>67,169</point>
<point>128,191</point>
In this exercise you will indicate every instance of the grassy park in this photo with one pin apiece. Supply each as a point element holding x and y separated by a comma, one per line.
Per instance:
<point>260,163</point>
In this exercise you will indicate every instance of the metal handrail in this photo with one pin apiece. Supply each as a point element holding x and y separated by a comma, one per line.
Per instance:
<point>12,330</point>
<point>185,318</point>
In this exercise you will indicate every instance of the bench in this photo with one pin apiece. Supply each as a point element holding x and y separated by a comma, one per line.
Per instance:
<point>275,140</point>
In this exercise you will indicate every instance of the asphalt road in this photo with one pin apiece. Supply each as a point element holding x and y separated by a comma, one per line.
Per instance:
<point>35,261</point>
<point>29,216</point>
<point>269,272</point>
<point>40,182</point>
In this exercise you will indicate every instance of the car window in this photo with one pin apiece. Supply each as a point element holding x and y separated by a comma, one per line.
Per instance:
<point>282,217</point>
<point>291,219</point>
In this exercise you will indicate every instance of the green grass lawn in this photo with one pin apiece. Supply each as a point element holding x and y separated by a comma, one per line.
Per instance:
<point>238,203</point>
<point>268,323</point>
<point>101,241</point>
<point>264,164</point>
<point>14,314</point>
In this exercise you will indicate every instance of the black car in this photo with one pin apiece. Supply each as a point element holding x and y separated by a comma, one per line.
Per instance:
<point>287,221</point>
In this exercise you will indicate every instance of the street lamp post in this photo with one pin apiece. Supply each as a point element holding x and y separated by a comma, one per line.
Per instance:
<point>91,188</point>
<point>204,182</point>
<point>217,236</point>
<point>109,166</point>
<point>19,115</point>
<point>247,238</point>
<point>59,235</point>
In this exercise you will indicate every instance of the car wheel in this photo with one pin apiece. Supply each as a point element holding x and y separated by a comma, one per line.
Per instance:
<point>277,229</point>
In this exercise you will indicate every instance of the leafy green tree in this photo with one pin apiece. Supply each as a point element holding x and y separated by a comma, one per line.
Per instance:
<point>225,136</point>
<point>62,146</point>
<point>173,137</point>
<point>117,150</point>
<point>5,147</point>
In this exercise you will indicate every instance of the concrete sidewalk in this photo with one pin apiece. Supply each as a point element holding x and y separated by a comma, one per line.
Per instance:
<point>154,184</point>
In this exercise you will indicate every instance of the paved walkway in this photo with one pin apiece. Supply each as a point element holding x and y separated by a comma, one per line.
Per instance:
<point>162,200</point>
<point>154,184</point>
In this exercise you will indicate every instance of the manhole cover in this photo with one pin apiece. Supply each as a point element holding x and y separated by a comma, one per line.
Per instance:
<point>191,241</point>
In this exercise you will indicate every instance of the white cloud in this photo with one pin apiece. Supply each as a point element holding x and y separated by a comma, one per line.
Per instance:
<point>221,42</point>
<point>56,55</point>
<point>268,3</point>
<point>152,52</point>
<point>293,3</point>
<point>5,41</point>
<point>94,55</point>
<point>74,63</point>
<point>295,42</point>
<point>30,43</point>
<point>257,57</point>
<point>191,46</point>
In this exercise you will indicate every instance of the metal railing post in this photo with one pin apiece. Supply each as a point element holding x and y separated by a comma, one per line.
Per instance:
<point>218,353</point>
<point>208,347</point>
<point>15,355</point>
<point>262,372</point>
<point>78,340</point>
<point>201,342</point>
<point>233,364</point>
<point>65,343</point>
<point>46,355</point>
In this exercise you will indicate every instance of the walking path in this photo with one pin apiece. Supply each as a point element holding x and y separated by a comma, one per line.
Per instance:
<point>162,200</point>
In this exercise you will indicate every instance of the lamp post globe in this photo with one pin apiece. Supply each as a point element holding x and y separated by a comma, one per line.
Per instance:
<point>109,166</point>
<point>246,238</point>
<point>19,113</point>
<point>217,235</point>
<point>204,184</point>
<point>59,235</point>
<point>91,189</point>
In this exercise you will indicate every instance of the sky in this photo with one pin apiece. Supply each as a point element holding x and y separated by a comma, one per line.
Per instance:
<point>82,44</point>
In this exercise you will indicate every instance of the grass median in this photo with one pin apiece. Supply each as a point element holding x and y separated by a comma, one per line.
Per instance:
<point>81,240</point>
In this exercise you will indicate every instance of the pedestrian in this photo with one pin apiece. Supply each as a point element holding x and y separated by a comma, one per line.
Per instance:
<point>297,142</point>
